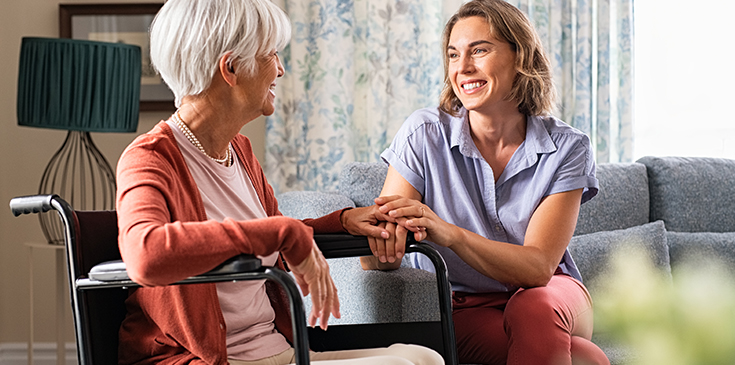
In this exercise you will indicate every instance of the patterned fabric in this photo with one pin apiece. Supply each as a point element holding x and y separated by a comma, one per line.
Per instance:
<point>590,45</point>
<point>356,69</point>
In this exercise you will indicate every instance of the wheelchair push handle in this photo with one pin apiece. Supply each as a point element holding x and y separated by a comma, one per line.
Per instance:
<point>31,204</point>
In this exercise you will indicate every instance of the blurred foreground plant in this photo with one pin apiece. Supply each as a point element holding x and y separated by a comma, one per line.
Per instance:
<point>688,321</point>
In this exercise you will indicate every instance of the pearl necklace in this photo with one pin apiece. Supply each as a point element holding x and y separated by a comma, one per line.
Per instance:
<point>227,160</point>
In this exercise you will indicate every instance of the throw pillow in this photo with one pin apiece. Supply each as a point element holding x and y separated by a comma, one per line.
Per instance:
<point>592,252</point>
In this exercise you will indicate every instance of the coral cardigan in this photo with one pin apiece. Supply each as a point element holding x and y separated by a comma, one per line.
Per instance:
<point>165,237</point>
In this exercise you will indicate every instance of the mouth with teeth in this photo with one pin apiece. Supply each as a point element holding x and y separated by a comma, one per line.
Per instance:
<point>470,87</point>
<point>272,89</point>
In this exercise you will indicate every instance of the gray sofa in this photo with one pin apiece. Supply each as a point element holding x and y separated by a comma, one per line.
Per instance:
<point>672,206</point>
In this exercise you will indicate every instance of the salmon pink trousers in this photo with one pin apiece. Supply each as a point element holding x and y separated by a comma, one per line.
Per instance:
<point>543,325</point>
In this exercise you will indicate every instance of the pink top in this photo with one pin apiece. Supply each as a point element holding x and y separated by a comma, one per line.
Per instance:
<point>228,192</point>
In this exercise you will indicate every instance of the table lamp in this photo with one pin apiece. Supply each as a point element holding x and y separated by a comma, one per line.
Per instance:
<point>79,86</point>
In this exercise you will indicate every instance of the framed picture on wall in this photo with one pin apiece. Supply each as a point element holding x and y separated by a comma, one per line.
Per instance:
<point>126,23</point>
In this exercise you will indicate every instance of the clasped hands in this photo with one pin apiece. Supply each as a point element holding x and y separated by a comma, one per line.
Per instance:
<point>388,223</point>
<point>402,216</point>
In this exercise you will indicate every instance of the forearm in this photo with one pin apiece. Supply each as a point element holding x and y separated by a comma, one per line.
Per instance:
<point>533,263</point>
<point>159,252</point>
<point>330,223</point>
<point>523,266</point>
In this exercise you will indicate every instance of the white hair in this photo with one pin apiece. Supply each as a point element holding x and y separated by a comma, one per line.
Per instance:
<point>188,38</point>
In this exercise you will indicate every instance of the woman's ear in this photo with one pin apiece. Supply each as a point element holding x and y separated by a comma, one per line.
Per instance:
<point>227,69</point>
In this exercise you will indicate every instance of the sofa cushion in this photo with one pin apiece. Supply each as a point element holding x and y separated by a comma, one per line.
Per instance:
<point>692,194</point>
<point>622,201</point>
<point>700,248</point>
<point>362,181</point>
<point>311,204</point>
<point>592,252</point>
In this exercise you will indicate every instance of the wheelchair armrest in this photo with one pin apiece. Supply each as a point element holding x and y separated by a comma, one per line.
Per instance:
<point>115,270</point>
<point>237,264</point>
<point>109,271</point>
<point>335,245</point>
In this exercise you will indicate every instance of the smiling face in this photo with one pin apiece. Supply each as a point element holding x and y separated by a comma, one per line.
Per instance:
<point>481,67</point>
<point>260,88</point>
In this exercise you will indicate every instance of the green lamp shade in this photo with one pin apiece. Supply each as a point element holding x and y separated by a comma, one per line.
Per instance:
<point>79,85</point>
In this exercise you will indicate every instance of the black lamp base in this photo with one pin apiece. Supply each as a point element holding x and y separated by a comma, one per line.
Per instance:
<point>80,174</point>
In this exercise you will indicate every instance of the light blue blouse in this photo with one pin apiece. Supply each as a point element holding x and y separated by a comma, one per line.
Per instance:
<point>435,153</point>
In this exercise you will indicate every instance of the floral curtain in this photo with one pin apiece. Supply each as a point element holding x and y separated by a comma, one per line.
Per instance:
<point>355,69</point>
<point>590,44</point>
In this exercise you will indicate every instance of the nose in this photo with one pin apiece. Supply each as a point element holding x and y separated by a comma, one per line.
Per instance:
<point>465,65</point>
<point>279,65</point>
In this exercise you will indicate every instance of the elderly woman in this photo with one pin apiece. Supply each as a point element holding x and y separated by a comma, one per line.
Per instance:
<point>191,194</point>
<point>495,183</point>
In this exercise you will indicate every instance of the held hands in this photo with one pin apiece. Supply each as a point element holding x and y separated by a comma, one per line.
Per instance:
<point>312,275</point>
<point>389,222</point>
<point>387,243</point>
<point>413,216</point>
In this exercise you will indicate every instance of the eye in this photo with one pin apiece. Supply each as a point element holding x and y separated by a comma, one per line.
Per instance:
<point>479,51</point>
<point>453,55</point>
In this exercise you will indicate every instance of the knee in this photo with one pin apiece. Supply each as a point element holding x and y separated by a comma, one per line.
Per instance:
<point>585,352</point>
<point>417,355</point>
<point>530,304</point>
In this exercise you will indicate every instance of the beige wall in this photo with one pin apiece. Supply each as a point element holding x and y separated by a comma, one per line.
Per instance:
<point>24,152</point>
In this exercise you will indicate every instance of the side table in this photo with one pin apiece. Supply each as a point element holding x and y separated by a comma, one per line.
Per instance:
<point>61,287</point>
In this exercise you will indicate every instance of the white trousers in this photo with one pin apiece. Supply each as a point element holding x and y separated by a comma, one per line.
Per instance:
<point>397,354</point>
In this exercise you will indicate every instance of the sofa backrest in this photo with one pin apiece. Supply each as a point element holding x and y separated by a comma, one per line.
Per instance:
<point>692,194</point>
<point>622,201</point>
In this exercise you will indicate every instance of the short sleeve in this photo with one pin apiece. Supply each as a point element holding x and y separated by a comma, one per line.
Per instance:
<point>406,152</point>
<point>577,169</point>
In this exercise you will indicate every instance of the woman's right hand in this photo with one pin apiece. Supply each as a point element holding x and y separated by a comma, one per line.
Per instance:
<point>312,275</point>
